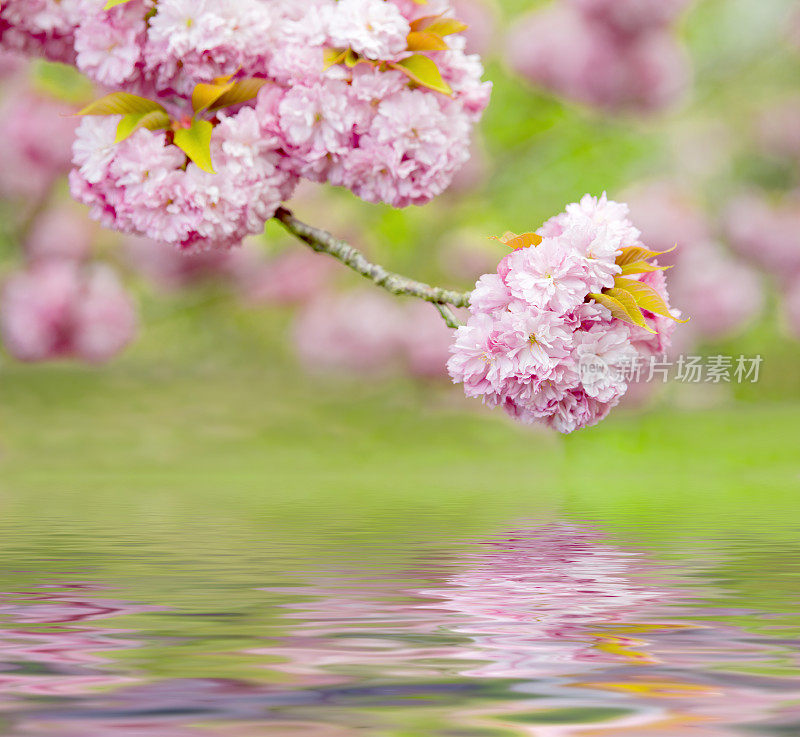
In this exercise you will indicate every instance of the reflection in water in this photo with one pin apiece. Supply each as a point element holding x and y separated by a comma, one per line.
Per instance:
<point>551,631</point>
<point>47,647</point>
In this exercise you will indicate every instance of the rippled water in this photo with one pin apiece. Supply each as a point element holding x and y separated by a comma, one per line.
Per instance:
<point>551,625</point>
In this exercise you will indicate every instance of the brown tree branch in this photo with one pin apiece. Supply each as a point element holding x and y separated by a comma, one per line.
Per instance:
<point>323,242</point>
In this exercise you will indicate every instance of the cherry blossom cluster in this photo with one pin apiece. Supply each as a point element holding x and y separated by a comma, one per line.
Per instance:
<point>611,54</point>
<point>551,333</point>
<point>378,96</point>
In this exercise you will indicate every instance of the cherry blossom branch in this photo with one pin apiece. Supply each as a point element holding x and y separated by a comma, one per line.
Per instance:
<point>323,242</point>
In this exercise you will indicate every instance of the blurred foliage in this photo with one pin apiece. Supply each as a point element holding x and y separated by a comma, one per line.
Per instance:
<point>542,153</point>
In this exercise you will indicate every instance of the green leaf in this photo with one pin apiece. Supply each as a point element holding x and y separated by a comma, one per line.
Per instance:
<point>641,267</point>
<point>622,307</point>
<point>446,27</point>
<point>351,58</point>
<point>113,4</point>
<point>629,303</point>
<point>421,24</point>
<point>638,253</point>
<point>154,120</point>
<point>205,94</point>
<point>645,296</point>
<point>332,57</point>
<point>195,142</point>
<point>426,41</point>
<point>121,103</point>
<point>424,72</point>
<point>243,91</point>
<point>62,82</point>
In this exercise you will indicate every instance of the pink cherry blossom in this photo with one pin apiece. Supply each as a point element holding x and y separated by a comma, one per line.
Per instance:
<point>108,47</point>
<point>537,344</point>
<point>548,276</point>
<point>141,187</point>
<point>368,127</point>
<point>374,28</point>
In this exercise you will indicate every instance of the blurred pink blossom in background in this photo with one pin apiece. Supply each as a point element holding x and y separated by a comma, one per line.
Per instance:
<point>169,269</point>
<point>766,233</point>
<point>791,308</point>
<point>289,278</point>
<point>720,294</point>
<point>59,308</point>
<point>425,340</point>
<point>62,231</point>
<point>580,50</point>
<point>632,17</point>
<point>778,128</point>
<point>668,218</point>
<point>36,135</point>
<point>481,18</point>
<point>356,331</point>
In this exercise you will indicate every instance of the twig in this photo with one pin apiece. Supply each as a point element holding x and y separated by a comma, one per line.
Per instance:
<point>323,242</point>
<point>450,319</point>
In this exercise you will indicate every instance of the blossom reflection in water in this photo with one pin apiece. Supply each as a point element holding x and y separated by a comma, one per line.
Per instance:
<point>549,631</point>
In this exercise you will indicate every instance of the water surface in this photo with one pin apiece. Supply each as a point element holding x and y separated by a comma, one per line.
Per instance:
<point>545,619</point>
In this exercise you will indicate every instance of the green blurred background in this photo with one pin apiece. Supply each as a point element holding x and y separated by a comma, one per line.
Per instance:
<point>211,402</point>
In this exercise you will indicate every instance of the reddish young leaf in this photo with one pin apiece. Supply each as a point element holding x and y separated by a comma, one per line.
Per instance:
<point>514,241</point>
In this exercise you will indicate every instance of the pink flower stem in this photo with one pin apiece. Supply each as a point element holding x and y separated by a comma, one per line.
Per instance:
<point>323,242</point>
